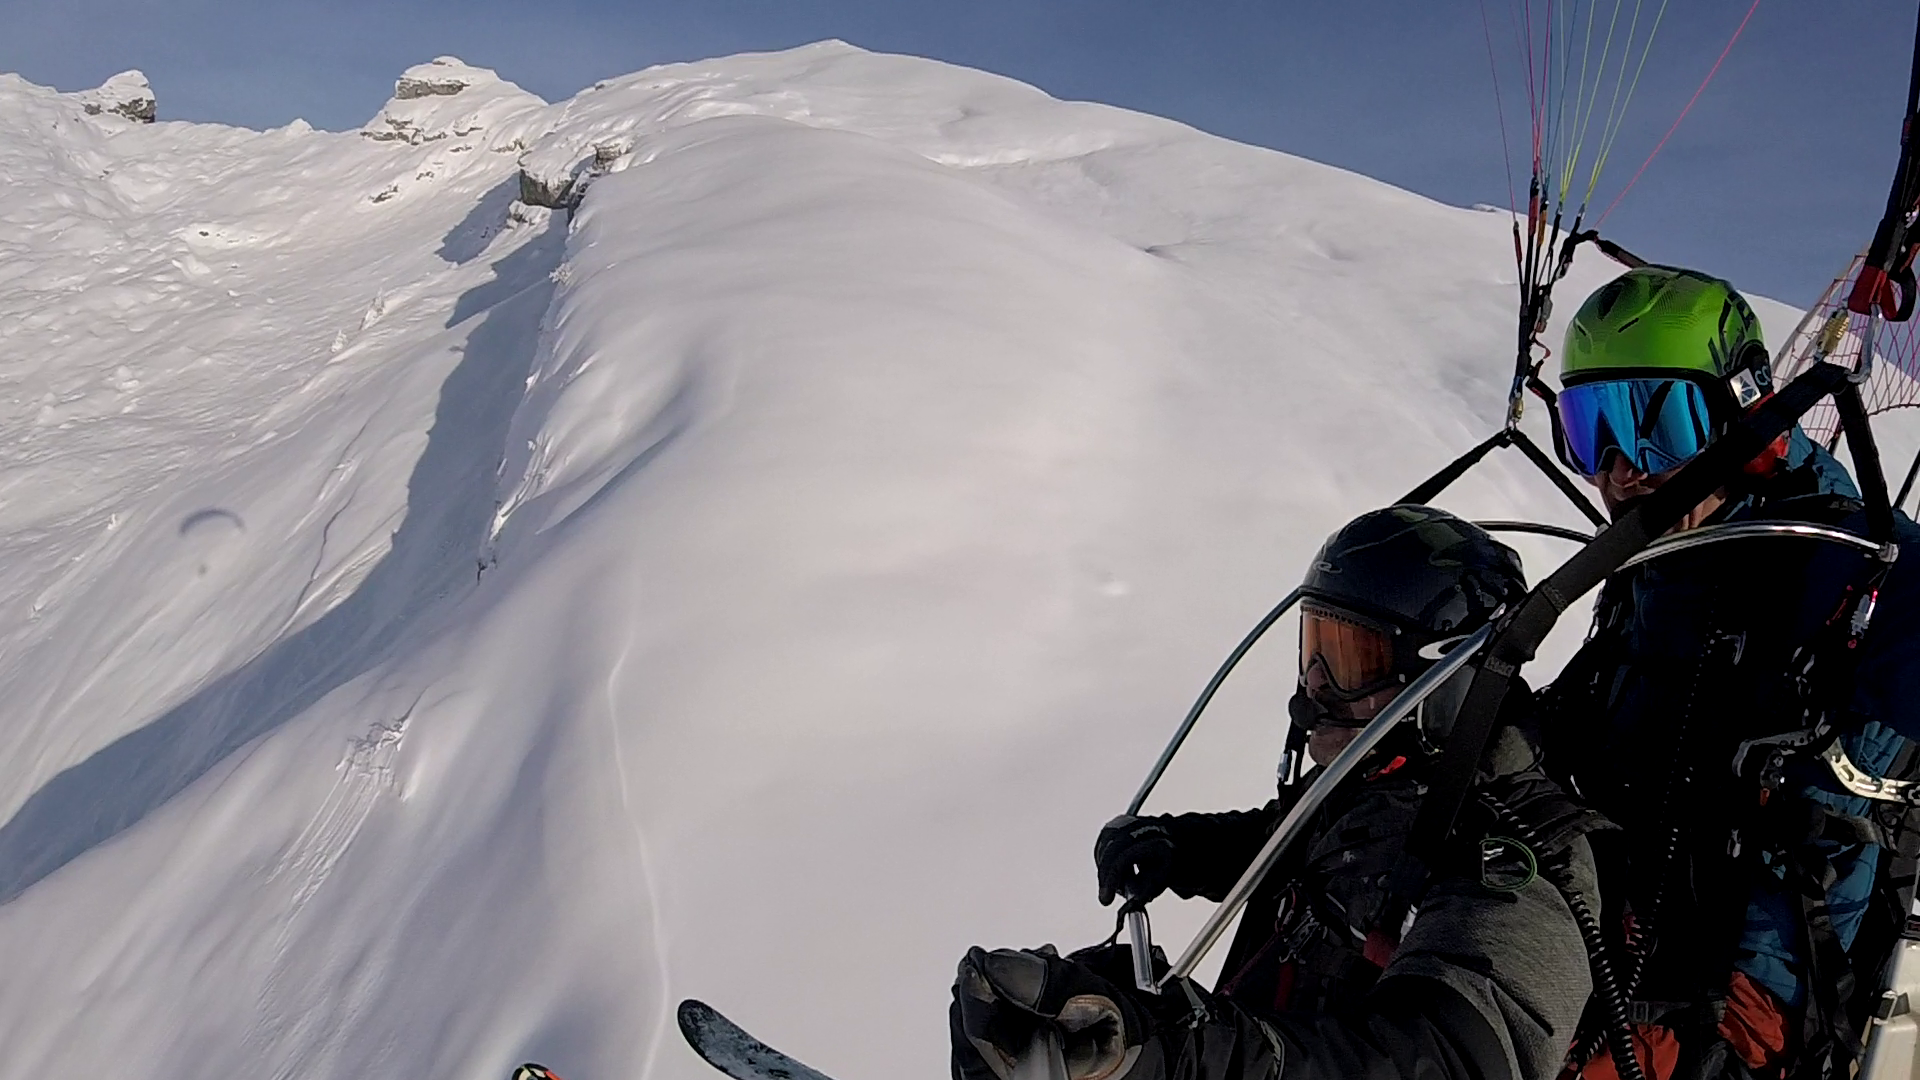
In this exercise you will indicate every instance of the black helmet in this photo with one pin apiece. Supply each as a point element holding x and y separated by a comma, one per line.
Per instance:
<point>1382,599</point>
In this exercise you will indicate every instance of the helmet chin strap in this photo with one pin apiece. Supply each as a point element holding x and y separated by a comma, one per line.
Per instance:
<point>1307,714</point>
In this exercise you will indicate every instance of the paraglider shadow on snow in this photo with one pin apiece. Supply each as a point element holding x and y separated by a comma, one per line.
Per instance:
<point>450,501</point>
<point>468,240</point>
<point>210,519</point>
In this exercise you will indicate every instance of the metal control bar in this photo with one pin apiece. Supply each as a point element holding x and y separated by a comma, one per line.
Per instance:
<point>1713,534</point>
<point>1200,704</point>
<point>1557,531</point>
<point>1138,933</point>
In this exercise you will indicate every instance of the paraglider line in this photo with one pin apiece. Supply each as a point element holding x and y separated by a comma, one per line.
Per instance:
<point>1683,113</point>
<point>1533,98</point>
<point>1500,110</point>
<point>1614,123</point>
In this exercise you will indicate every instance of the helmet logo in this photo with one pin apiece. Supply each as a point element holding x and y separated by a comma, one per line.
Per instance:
<point>1438,650</point>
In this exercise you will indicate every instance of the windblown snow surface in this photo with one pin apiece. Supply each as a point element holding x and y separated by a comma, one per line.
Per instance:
<point>437,632</point>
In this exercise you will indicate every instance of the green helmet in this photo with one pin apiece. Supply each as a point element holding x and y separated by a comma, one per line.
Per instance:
<point>1663,322</point>
<point>1658,363</point>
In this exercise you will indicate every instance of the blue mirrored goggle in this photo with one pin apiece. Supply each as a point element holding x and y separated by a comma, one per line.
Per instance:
<point>1657,424</point>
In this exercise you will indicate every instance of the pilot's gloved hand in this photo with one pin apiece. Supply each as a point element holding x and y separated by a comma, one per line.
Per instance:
<point>1009,1004</point>
<point>1134,857</point>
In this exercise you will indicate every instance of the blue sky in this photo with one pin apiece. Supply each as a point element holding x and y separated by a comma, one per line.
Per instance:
<point>1776,176</point>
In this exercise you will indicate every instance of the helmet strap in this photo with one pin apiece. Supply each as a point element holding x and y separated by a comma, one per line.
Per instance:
<point>1751,380</point>
<point>1750,384</point>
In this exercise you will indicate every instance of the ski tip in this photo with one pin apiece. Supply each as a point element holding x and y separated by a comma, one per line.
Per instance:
<point>695,1017</point>
<point>532,1071</point>
<point>728,1047</point>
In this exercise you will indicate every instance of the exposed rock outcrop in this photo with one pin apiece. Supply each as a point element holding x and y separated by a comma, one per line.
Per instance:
<point>449,99</point>
<point>126,94</point>
<point>554,193</point>
<point>550,180</point>
<point>432,83</point>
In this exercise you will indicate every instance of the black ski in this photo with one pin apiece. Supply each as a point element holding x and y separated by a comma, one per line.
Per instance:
<point>726,1046</point>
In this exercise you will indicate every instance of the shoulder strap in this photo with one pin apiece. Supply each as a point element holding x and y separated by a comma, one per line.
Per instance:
<point>1527,625</point>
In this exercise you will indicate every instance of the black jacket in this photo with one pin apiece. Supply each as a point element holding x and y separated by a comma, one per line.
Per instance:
<point>1695,653</point>
<point>1486,982</point>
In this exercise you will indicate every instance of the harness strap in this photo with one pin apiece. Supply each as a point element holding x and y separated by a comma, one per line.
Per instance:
<point>1828,1039</point>
<point>1526,626</point>
<point>1866,785</point>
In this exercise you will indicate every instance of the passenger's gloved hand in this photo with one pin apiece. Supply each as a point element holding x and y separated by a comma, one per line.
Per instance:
<point>1008,1003</point>
<point>1134,856</point>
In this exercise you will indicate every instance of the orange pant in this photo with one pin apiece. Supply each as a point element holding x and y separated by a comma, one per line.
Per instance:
<point>1755,1026</point>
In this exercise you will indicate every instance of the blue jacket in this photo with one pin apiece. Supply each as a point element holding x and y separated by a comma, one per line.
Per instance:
<point>1694,653</point>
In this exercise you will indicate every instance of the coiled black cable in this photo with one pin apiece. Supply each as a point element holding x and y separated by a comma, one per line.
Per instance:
<point>1619,1037</point>
<point>1639,934</point>
<point>1558,872</point>
<point>1677,782</point>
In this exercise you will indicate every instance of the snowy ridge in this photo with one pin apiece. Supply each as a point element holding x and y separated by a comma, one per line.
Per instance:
<point>440,632</point>
<point>447,99</point>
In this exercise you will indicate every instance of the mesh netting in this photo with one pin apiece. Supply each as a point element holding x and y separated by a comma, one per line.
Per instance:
<point>1829,329</point>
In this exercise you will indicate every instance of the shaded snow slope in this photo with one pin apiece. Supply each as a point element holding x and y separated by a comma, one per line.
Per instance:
<point>439,633</point>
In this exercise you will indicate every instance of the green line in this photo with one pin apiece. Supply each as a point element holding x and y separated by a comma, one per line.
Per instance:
<point>1570,16</point>
<point>1606,143</point>
<point>1586,122</point>
<point>1586,54</point>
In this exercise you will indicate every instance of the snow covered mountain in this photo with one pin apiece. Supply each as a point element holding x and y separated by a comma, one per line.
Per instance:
<point>438,631</point>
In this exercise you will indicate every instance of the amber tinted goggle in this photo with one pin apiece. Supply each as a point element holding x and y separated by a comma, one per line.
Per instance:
<point>1343,658</point>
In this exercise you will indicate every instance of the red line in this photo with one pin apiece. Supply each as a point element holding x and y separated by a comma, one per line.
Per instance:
<point>1683,114</point>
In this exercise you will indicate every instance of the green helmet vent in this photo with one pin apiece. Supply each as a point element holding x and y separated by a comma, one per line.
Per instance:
<point>1656,319</point>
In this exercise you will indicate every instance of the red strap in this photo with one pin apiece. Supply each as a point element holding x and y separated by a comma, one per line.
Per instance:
<point>1873,288</point>
<point>1378,949</point>
<point>1655,1047</point>
<point>1390,767</point>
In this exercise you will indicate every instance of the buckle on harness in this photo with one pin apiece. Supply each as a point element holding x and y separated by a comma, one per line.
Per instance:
<point>1770,770</point>
<point>1865,784</point>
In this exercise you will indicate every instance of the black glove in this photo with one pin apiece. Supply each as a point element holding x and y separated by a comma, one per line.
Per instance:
<point>1134,856</point>
<point>1008,1004</point>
